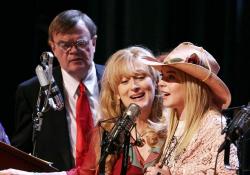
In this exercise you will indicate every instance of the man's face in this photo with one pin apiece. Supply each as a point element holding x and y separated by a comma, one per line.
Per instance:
<point>74,50</point>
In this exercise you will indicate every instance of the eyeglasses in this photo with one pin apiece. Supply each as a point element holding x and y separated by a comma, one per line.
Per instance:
<point>79,44</point>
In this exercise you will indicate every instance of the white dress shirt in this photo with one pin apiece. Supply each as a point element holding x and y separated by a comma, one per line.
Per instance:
<point>71,94</point>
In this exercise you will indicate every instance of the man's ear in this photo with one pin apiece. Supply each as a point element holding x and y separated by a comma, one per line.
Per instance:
<point>52,45</point>
<point>94,40</point>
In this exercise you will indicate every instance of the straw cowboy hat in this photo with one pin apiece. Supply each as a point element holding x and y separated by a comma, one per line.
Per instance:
<point>198,63</point>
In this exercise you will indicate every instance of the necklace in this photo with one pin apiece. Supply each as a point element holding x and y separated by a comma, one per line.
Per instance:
<point>169,151</point>
<point>148,136</point>
<point>139,140</point>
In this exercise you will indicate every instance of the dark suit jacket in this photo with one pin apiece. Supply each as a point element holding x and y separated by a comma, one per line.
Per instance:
<point>52,143</point>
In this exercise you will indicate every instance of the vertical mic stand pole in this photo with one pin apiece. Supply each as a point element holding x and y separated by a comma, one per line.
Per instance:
<point>125,153</point>
<point>103,155</point>
<point>124,158</point>
<point>37,118</point>
<point>107,146</point>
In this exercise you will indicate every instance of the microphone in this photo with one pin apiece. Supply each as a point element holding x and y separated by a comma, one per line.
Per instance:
<point>238,127</point>
<point>50,89</point>
<point>115,138</point>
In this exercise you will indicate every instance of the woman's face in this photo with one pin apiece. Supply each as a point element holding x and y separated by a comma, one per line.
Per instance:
<point>138,89</point>
<point>172,90</point>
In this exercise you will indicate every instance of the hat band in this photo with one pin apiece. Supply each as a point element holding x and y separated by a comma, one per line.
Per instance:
<point>209,68</point>
<point>205,79</point>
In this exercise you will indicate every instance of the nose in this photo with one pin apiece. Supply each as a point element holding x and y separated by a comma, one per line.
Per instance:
<point>162,83</point>
<point>134,85</point>
<point>73,47</point>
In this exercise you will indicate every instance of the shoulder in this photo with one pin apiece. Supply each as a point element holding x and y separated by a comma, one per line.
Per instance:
<point>30,83</point>
<point>211,127</point>
<point>214,119</point>
<point>27,91</point>
<point>99,71</point>
<point>99,68</point>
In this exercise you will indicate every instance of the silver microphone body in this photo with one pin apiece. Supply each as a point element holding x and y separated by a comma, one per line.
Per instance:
<point>50,88</point>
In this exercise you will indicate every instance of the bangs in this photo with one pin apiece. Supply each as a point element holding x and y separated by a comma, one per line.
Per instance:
<point>131,67</point>
<point>127,67</point>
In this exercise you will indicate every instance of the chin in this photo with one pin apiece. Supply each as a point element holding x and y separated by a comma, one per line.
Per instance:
<point>165,104</point>
<point>145,105</point>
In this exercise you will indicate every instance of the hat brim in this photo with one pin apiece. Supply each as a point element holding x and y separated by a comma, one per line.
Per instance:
<point>218,87</point>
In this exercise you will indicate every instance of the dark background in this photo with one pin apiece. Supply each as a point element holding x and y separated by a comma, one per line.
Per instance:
<point>220,26</point>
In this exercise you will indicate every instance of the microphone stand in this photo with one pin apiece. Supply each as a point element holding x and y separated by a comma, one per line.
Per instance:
<point>114,148</point>
<point>37,117</point>
<point>125,153</point>
<point>104,145</point>
<point>125,156</point>
<point>42,104</point>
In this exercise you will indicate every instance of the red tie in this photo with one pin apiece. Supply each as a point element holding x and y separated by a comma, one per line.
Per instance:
<point>84,124</point>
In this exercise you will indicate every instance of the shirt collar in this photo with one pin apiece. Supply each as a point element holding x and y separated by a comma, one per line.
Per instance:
<point>91,79</point>
<point>71,84</point>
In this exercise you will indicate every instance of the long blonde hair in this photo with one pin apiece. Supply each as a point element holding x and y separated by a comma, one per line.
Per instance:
<point>198,101</point>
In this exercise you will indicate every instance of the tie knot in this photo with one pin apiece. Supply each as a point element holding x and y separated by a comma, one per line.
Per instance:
<point>81,88</point>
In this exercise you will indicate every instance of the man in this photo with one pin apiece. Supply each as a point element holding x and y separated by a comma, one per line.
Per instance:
<point>72,38</point>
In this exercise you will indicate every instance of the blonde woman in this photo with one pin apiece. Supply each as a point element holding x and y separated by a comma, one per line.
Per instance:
<point>194,96</point>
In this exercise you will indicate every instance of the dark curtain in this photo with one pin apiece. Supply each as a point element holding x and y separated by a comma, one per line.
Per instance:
<point>220,26</point>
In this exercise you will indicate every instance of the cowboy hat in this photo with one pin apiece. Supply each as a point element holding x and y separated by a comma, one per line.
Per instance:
<point>198,63</point>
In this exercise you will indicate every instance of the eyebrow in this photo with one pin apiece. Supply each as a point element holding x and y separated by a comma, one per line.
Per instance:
<point>72,41</point>
<point>170,71</point>
<point>61,41</point>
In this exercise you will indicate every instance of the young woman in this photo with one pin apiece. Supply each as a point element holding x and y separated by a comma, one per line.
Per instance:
<point>194,96</point>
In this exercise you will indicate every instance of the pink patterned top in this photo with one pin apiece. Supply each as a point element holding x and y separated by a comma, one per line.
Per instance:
<point>200,155</point>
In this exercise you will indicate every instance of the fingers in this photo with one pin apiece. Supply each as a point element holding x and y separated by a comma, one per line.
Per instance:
<point>14,172</point>
<point>152,171</point>
<point>5,172</point>
<point>157,171</point>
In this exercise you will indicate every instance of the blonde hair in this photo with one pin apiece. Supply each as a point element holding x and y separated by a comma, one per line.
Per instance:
<point>125,62</point>
<point>198,101</point>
